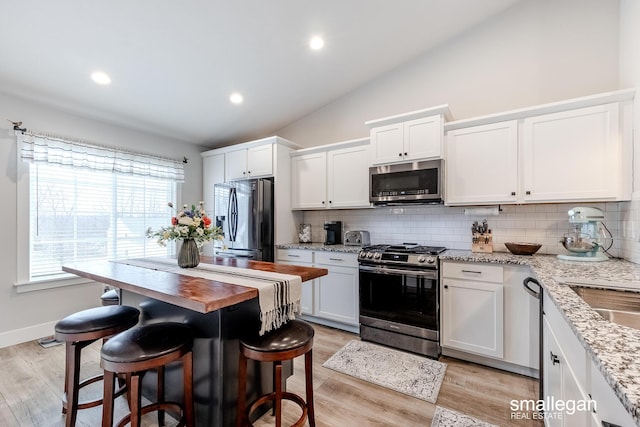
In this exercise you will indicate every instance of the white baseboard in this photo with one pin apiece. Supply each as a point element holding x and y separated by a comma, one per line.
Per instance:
<point>30,333</point>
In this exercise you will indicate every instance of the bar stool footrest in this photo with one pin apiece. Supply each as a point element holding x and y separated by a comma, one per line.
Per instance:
<point>285,396</point>
<point>157,406</point>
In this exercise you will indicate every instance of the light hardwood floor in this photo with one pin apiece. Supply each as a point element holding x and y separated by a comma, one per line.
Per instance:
<point>32,377</point>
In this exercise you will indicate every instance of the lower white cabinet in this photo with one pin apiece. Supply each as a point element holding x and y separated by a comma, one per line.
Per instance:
<point>332,299</point>
<point>570,375</point>
<point>487,317</point>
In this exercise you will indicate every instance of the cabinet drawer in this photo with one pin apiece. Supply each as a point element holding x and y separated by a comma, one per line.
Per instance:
<point>337,258</point>
<point>473,271</point>
<point>297,255</point>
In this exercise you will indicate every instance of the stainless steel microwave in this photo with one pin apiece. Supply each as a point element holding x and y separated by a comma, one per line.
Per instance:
<point>416,182</point>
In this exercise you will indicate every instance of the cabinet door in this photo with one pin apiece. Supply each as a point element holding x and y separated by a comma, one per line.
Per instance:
<point>387,144</point>
<point>552,373</point>
<point>482,164</point>
<point>235,166</point>
<point>212,174</point>
<point>423,138</point>
<point>348,177</point>
<point>308,181</point>
<point>260,161</point>
<point>473,317</point>
<point>572,155</point>
<point>336,295</point>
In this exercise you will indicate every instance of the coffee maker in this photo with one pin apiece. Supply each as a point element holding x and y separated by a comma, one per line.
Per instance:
<point>334,232</point>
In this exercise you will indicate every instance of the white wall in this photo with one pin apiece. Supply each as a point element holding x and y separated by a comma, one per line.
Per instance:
<point>630,77</point>
<point>536,52</point>
<point>30,315</point>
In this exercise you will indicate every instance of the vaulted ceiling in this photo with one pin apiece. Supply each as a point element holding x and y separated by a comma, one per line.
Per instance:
<point>174,64</point>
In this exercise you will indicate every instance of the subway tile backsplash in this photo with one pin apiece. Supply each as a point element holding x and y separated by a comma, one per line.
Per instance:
<point>450,227</point>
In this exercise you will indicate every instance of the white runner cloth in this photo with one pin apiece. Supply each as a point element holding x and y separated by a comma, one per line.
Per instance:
<point>278,294</point>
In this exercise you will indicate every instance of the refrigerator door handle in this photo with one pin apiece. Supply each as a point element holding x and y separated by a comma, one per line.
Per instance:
<point>233,214</point>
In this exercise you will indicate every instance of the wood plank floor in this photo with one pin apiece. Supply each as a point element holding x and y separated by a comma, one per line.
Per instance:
<point>32,378</point>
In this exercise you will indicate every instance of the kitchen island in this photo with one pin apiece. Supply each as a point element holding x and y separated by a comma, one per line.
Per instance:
<point>218,312</point>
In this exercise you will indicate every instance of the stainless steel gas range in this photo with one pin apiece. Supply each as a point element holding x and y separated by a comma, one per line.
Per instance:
<point>399,297</point>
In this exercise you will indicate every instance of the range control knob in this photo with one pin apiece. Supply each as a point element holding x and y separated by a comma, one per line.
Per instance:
<point>369,255</point>
<point>421,259</point>
<point>362,254</point>
<point>431,260</point>
<point>377,255</point>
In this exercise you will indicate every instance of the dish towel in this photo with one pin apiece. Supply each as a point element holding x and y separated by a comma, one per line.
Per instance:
<point>278,294</point>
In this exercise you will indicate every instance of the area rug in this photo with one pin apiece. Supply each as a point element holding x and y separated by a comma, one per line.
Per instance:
<point>444,417</point>
<point>406,373</point>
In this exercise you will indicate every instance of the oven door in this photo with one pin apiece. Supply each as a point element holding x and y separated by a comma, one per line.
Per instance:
<point>400,295</point>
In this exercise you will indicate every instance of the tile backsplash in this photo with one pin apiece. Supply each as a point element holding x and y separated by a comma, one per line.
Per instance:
<point>450,227</point>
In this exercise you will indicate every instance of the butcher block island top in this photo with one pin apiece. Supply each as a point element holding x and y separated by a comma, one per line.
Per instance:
<point>193,293</point>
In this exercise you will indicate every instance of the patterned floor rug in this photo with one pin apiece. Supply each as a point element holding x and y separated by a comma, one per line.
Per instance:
<point>406,373</point>
<point>444,417</point>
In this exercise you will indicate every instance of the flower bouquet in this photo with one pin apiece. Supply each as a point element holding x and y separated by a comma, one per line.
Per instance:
<point>193,227</point>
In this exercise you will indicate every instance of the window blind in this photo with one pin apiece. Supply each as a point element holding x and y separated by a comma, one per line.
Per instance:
<point>80,155</point>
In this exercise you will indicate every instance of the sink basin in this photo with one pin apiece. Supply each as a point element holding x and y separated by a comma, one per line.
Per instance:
<point>613,305</point>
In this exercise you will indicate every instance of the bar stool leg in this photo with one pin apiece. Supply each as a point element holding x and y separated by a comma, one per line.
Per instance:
<point>107,404</point>
<point>278,400</point>
<point>308,373</point>
<point>187,366</point>
<point>71,382</point>
<point>242,390</point>
<point>135,401</point>
<point>160,396</point>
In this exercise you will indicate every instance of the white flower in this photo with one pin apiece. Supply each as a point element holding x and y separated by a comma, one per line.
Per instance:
<point>185,220</point>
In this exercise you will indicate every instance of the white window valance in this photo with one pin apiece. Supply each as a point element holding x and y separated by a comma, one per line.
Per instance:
<point>63,152</point>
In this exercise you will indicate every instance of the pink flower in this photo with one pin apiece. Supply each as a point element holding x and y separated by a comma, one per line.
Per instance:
<point>174,220</point>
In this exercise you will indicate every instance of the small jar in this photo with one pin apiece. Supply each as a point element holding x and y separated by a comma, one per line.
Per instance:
<point>304,233</point>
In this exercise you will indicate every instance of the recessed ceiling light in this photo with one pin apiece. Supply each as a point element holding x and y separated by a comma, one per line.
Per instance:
<point>236,98</point>
<point>101,78</point>
<point>316,43</point>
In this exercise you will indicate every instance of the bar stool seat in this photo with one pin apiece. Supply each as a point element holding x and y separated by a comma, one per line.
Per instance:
<point>293,339</point>
<point>138,350</point>
<point>78,330</point>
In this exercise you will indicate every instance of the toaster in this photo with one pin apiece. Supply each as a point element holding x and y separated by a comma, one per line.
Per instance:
<point>356,238</point>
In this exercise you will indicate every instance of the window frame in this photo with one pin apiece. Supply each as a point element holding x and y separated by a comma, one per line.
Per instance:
<point>24,283</point>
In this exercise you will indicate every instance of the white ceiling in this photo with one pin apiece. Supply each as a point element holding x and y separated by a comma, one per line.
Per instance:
<point>174,64</point>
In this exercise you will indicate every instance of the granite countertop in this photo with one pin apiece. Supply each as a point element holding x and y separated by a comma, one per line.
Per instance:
<point>321,247</point>
<point>614,348</point>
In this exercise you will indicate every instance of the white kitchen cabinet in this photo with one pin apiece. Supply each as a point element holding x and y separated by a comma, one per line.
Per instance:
<point>482,164</point>
<point>212,174</point>
<point>408,137</point>
<point>333,176</point>
<point>571,155</point>
<point>487,317</point>
<point>303,258</point>
<point>308,181</point>
<point>336,294</point>
<point>609,408</point>
<point>570,151</point>
<point>331,300</point>
<point>251,162</point>
<point>472,310</point>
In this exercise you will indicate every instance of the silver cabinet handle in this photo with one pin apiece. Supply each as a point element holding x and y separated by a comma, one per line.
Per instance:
<point>293,256</point>
<point>472,271</point>
<point>336,259</point>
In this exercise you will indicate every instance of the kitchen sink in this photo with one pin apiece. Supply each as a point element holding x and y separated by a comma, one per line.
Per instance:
<point>614,305</point>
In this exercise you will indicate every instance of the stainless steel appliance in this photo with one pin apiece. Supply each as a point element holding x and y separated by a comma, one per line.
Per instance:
<point>334,232</point>
<point>244,210</point>
<point>357,238</point>
<point>399,297</point>
<point>417,182</point>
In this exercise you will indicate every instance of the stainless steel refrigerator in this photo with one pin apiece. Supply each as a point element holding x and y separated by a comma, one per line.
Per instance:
<point>244,210</point>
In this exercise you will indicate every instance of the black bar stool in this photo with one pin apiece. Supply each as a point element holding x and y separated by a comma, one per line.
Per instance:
<point>293,339</point>
<point>138,350</point>
<point>78,330</point>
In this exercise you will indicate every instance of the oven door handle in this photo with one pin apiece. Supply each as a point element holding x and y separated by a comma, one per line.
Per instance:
<point>431,274</point>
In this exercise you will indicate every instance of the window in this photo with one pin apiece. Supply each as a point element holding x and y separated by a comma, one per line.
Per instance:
<point>78,213</point>
<point>83,215</point>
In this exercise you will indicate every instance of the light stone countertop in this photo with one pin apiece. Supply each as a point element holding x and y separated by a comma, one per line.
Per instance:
<point>321,247</point>
<point>614,348</point>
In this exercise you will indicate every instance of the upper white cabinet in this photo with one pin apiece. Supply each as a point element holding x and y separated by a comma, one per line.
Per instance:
<point>576,150</point>
<point>251,162</point>
<point>482,164</point>
<point>408,137</point>
<point>333,176</point>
